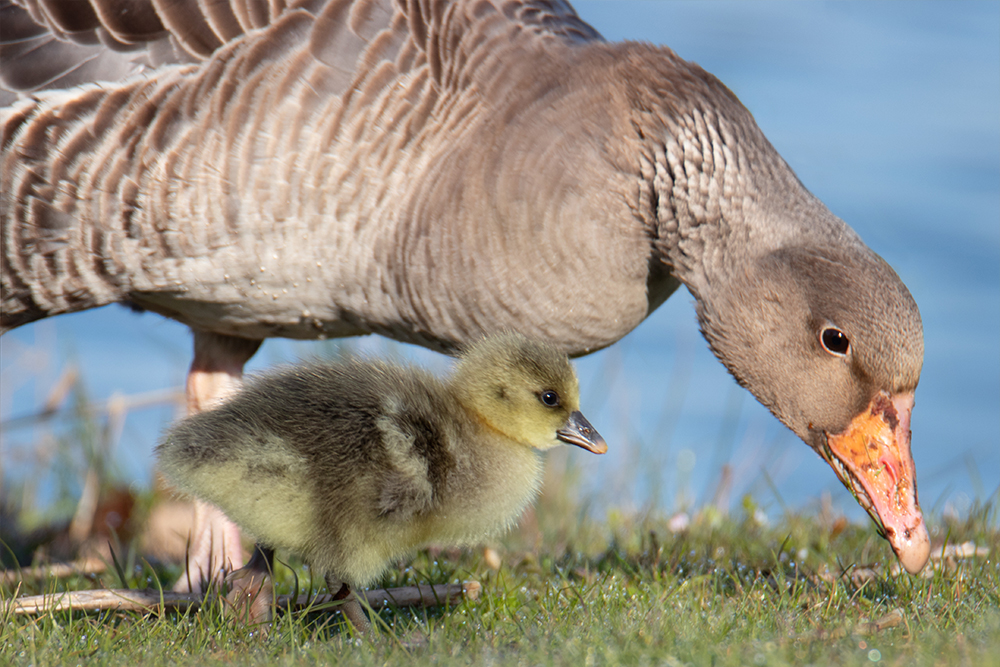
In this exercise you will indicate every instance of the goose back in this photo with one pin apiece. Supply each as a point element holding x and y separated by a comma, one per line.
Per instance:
<point>364,168</point>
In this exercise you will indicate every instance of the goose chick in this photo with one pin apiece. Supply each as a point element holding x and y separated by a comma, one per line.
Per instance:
<point>355,464</point>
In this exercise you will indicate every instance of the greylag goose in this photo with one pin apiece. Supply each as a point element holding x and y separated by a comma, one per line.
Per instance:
<point>355,464</point>
<point>433,171</point>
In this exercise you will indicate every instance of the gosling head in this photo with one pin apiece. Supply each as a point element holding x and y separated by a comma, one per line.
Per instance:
<point>525,390</point>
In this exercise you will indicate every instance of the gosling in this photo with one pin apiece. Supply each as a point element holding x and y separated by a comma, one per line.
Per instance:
<point>355,464</point>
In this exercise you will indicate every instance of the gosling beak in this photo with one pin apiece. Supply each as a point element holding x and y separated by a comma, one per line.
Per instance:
<point>579,432</point>
<point>872,458</point>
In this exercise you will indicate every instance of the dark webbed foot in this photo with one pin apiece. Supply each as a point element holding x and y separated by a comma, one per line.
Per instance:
<point>350,606</point>
<point>251,594</point>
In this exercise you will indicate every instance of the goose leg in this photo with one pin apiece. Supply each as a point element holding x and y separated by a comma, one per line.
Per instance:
<point>216,372</point>
<point>351,608</point>
<point>251,593</point>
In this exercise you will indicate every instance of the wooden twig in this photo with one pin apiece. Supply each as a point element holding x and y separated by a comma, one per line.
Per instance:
<point>152,600</point>
<point>146,599</point>
<point>406,596</point>
<point>83,518</point>
<point>52,410</point>
<point>893,619</point>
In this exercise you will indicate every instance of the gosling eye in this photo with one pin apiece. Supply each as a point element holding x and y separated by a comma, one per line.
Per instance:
<point>549,398</point>
<point>834,341</point>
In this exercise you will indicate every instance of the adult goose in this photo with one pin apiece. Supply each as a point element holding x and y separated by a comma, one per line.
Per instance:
<point>432,171</point>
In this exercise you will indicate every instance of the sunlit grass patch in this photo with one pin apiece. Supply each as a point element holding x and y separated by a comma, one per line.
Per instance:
<point>725,591</point>
<point>569,586</point>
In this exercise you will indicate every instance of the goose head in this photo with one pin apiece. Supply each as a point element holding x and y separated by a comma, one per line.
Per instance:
<point>831,341</point>
<point>525,390</point>
<point>803,314</point>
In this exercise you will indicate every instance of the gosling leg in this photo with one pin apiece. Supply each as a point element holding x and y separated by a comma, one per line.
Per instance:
<point>351,608</point>
<point>251,593</point>
<point>216,372</point>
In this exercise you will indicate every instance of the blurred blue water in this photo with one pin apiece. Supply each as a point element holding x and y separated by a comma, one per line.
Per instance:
<point>887,111</point>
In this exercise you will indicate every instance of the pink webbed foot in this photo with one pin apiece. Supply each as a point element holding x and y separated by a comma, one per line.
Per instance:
<point>214,551</point>
<point>216,373</point>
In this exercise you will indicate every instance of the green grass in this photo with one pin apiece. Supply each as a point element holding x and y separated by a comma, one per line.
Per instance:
<point>573,590</point>
<point>725,592</point>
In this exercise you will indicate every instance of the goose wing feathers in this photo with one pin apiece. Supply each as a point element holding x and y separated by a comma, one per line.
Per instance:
<point>44,41</point>
<point>281,181</point>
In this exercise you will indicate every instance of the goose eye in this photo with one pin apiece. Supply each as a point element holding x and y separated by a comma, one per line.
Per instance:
<point>549,398</point>
<point>834,341</point>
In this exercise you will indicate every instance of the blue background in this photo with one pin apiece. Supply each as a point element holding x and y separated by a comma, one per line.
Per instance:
<point>888,112</point>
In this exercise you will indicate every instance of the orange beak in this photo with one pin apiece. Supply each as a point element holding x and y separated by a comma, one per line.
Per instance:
<point>872,458</point>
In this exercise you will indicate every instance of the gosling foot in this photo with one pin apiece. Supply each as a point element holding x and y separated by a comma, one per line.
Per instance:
<point>350,606</point>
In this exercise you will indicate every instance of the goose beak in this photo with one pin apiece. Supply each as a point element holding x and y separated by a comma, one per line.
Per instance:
<point>872,458</point>
<point>579,432</point>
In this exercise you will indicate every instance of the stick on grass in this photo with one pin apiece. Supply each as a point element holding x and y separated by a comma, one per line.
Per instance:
<point>150,599</point>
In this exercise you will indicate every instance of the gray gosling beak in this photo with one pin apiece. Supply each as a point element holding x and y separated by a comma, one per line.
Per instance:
<point>579,432</point>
